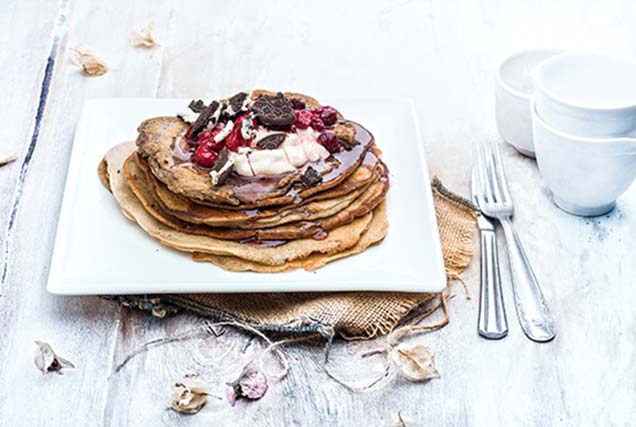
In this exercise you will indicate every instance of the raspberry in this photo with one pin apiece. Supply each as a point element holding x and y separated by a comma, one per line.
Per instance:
<point>204,157</point>
<point>317,123</point>
<point>207,138</point>
<point>329,115</point>
<point>329,140</point>
<point>235,140</point>
<point>298,104</point>
<point>303,119</point>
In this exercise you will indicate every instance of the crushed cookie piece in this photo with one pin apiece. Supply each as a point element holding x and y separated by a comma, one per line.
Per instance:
<point>207,117</point>
<point>311,177</point>
<point>271,142</point>
<point>274,111</point>
<point>197,106</point>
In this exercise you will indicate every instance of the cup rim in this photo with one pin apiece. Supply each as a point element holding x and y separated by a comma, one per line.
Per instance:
<point>502,82</point>
<point>539,85</point>
<point>566,135</point>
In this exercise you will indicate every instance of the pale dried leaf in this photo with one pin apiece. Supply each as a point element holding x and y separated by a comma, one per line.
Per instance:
<point>401,420</point>
<point>91,65</point>
<point>415,363</point>
<point>7,156</point>
<point>251,384</point>
<point>189,396</point>
<point>144,37</point>
<point>47,361</point>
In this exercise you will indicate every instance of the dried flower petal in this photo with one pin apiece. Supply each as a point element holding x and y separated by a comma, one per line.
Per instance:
<point>91,66</point>
<point>189,396</point>
<point>251,384</point>
<point>144,37</point>
<point>415,363</point>
<point>7,157</point>
<point>47,361</point>
<point>402,421</point>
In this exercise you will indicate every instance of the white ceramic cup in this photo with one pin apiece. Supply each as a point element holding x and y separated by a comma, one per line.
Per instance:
<point>585,175</point>
<point>513,90</point>
<point>587,94</point>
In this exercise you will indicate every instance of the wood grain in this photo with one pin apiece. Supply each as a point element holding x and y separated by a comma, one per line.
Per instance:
<point>443,55</point>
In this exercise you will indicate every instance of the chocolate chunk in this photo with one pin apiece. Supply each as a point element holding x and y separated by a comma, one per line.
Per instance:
<point>346,144</point>
<point>221,160</point>
<point>311,177</point>
<point>197,106</point>
<point>219,164</point>
<point>235,104</point>
<point>206,116</point>
<point>274,111</point>
<point>272,141</point>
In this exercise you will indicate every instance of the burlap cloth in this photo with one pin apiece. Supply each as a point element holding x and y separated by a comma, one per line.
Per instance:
<point>351,315</point>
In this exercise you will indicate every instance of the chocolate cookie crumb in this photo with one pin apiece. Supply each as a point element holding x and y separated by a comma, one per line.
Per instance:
<point>272,141</point>
<point>311,177</point>
<point>346,144</point>
<point>274,111</point>
<point>220,169</point>
<point>197,106</point>
<point>235,104</point>
<point>206,116</point>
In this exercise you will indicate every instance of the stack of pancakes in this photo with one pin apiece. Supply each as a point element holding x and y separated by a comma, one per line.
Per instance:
<point>258,223</point>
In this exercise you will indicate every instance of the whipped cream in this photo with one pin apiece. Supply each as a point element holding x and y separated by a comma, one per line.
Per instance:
<point>294,152</point>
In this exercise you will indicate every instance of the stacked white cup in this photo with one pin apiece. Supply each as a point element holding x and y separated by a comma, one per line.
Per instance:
<point>583,127</point>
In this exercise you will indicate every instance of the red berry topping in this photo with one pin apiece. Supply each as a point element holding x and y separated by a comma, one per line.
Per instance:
<point>298,104</point>
<point>207,138</point>
<point>329,115</point>
<point>329,140</point>
<point>303,119</point>
<point>317,123</point>
<point>235,139</point>
<point>204,157</point>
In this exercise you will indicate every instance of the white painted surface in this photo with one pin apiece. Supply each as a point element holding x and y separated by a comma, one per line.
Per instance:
<point>441,53</point>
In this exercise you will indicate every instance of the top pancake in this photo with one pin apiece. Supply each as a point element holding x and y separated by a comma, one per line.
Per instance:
<point>156,143</point>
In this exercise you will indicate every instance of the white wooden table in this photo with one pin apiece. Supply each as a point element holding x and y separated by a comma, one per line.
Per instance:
<point>441,53</point>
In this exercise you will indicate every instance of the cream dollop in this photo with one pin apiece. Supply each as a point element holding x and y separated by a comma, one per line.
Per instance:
<point>297,149</point>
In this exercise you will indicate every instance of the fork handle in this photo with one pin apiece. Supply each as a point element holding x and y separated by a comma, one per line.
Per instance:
<point>533,312</point>
<point>492,322</point>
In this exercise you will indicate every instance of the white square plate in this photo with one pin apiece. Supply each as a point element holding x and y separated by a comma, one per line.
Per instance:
<point>99,251</point>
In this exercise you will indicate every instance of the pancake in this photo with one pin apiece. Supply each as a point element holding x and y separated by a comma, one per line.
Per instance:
<point>374,234</point>
<point>338,240</point>
<point>364,204</point>
<point>160,138</point>
<point>317,206</point>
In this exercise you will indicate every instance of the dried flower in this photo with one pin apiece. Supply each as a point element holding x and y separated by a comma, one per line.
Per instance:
<point>47,361</point>
<point>251,384</point>
<point>7,157</point>
<point>189,396</point>
<point>91,66</point>
<point>144,37</point>
<point>415,363</point>
<point>402,421</point>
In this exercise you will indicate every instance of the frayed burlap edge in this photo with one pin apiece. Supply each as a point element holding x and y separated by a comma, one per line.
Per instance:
<point>456,222</point>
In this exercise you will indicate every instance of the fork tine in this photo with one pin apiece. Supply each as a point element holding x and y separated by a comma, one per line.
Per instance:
<point>492,174</point>
<point>501,174</point>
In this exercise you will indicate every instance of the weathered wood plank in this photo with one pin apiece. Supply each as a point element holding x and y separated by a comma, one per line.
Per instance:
<point>84,329</point>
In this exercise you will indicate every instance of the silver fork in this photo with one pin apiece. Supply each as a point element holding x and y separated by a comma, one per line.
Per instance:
<point>492,322</point>
<point>494,201</point>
